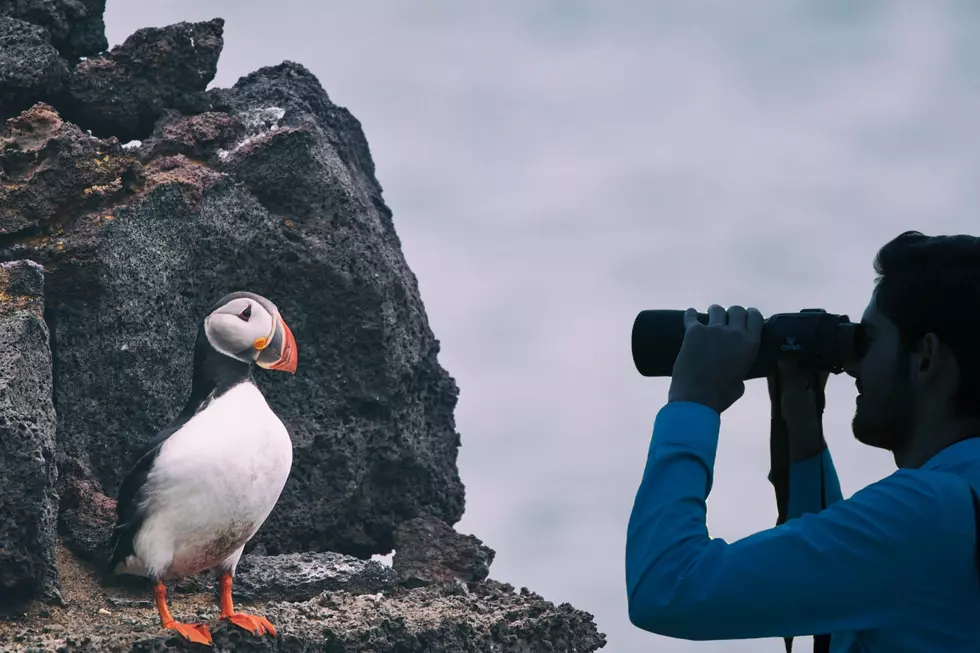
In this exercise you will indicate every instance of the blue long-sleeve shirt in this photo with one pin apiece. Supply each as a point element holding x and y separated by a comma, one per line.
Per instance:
<point>893,568</point>
<point>813,485</point>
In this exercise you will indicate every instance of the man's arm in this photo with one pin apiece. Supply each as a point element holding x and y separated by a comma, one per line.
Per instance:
<point>840,569</point>
<point>808,480</point>
<point>813,481</point>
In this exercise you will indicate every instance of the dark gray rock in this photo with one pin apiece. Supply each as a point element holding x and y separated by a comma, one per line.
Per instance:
<point>292,124</point>
<point>28,495</point>
<point>125,92</point>
<point>30,68</point>
<point>301,576</point>
<point>370,409</point>
<point>427,550</point>
<point>86,515</point>
<point>76,26</point>
<point>435,619</point>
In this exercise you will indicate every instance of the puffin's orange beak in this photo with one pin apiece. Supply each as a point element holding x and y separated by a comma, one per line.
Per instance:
<point>281,352</point>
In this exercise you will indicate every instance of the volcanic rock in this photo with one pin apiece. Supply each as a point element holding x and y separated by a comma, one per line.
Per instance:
<point>51,172</point>
<point>436,619</point>
<point>86,515</point>
<point>301,576</point>
<point>198,137</point>
<point>28,496</point>
<point>427,550</point>
<point>30,68</point>
<point>125,92</point>
<point>76,27</point>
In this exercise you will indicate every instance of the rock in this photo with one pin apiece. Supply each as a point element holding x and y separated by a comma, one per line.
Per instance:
<point>76,26</point>
<point>198,137</point>
<point>51,172</point>
<point>28,495</point>
<point>22,289</point>
<point>427,550</point>
<point>370,409</point>
<point>301,576</point>
<point>86,516</point>
<point>125,92</point>
<point>435,619</point>
<point>30,68</point>
<point>293,125</point>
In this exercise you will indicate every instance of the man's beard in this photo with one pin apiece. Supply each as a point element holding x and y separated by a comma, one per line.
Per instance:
<point>885,422</point>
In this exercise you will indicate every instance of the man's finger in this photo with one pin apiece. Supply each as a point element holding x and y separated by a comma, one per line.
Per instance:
<point>754,323</point>
<point>716,315</point>
<point>690,318</point>
<point>736,317</point>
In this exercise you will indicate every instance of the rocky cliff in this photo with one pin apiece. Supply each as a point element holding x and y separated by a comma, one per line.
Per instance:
<point>131,197</point>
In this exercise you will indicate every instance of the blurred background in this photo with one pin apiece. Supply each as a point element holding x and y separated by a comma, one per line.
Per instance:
<point>556,166</point>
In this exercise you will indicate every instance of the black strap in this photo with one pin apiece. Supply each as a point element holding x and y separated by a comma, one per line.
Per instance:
<point>779,464</point>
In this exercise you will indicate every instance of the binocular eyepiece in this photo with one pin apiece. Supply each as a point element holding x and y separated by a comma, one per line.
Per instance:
<point>821,341</point>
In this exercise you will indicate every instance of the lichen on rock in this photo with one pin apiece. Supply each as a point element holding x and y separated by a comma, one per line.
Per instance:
<point>51,172</point>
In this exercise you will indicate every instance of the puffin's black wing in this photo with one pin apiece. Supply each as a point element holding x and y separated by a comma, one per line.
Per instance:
<point>129,513</point>
<point>129,503</point>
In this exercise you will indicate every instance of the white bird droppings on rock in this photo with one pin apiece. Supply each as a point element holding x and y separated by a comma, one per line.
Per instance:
<point>258,124</point>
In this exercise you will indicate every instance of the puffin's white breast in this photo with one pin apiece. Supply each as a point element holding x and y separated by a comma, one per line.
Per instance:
<point>214,483</point>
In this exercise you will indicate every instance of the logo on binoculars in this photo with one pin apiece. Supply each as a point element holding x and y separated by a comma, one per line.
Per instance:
<point>791,345</point>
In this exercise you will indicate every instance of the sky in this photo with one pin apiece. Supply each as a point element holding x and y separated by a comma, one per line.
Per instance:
<point>556,166</point>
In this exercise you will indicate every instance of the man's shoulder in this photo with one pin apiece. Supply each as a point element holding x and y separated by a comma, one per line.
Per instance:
<point>937,500</point>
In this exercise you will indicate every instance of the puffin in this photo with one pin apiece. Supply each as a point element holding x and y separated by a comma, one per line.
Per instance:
<point>201,487</point>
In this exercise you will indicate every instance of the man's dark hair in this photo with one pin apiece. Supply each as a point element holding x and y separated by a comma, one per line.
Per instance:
<point>931,284</point>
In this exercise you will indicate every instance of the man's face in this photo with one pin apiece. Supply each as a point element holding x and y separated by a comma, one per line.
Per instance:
<point>883,416</point>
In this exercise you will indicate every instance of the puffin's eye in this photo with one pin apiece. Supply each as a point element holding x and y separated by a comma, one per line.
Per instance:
<point>246,313</point>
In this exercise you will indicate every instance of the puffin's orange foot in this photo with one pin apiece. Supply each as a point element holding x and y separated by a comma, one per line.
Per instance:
<point>255,624</point>
<point>197,633</point>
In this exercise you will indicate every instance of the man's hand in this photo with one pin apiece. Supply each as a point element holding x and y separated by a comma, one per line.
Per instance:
<point>713,359</point>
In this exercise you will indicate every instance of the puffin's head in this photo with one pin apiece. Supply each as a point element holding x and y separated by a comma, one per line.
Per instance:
<point>248,328</point>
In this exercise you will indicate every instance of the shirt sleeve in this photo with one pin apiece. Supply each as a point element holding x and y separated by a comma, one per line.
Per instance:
<point>836,570</point>
<point>809,478</point>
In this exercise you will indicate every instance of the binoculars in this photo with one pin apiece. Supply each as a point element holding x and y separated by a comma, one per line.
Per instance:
<point>821,341</point>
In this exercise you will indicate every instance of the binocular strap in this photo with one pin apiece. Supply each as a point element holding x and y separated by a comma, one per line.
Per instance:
<point>779,463</point>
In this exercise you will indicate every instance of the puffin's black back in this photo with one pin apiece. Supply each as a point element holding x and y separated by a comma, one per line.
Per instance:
<point>213,375</point>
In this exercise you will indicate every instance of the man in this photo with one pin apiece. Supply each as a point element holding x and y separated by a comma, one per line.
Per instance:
<point>893,568</point>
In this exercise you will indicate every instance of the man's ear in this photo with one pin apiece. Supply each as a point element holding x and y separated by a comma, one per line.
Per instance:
<point>933,362</point>
<point>927,349</point>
